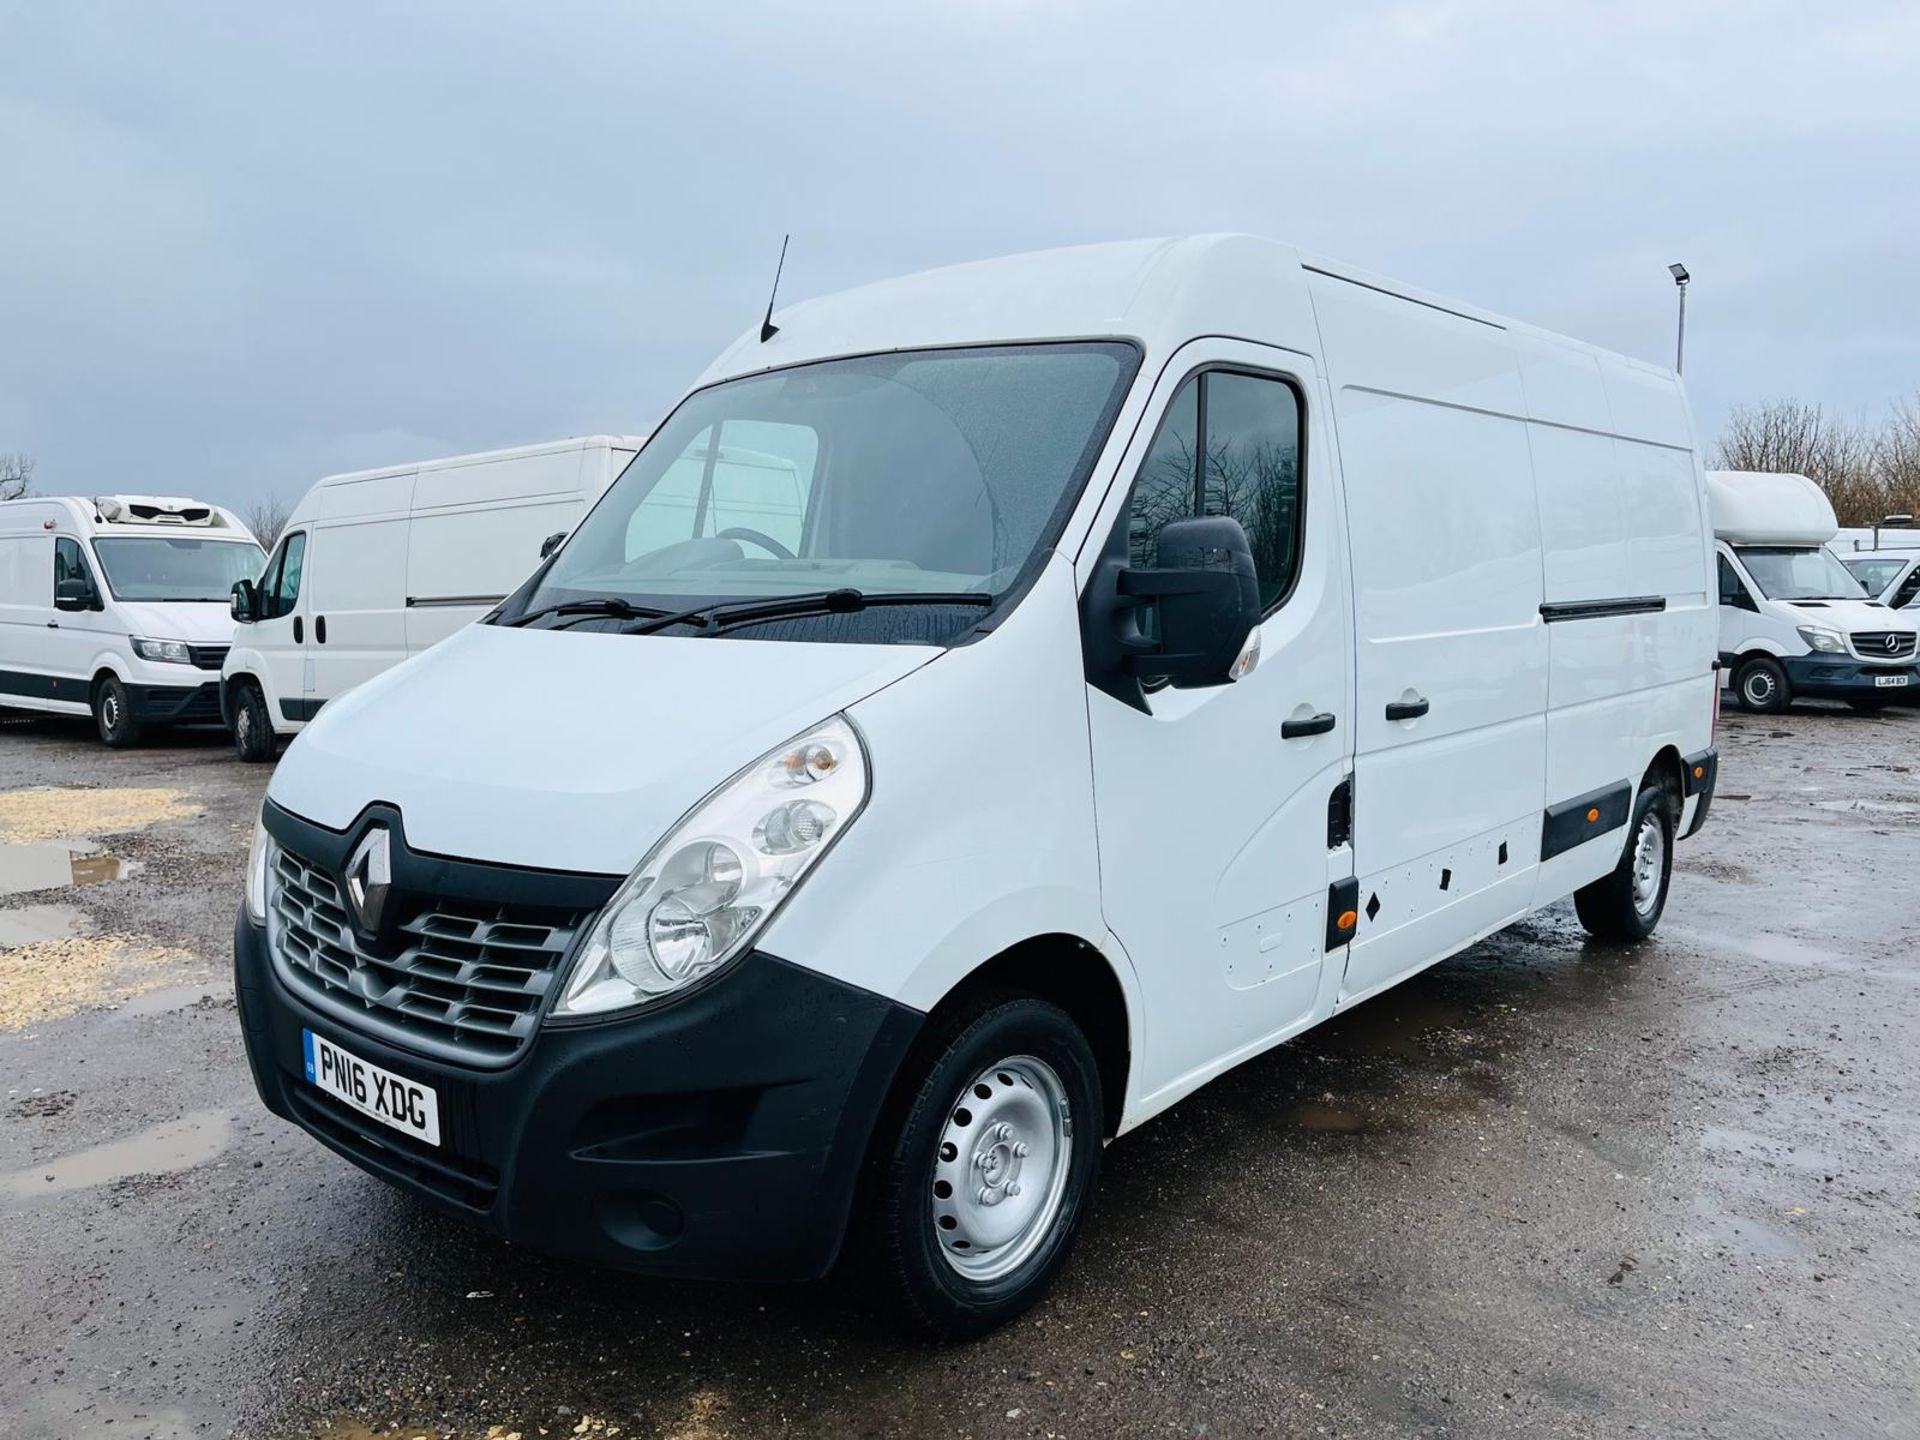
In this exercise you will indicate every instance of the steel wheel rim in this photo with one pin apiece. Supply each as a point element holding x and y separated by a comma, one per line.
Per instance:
<point>110,710</point>
<point>1649,860</point>
<point>1759,688</point>
<point>1000,1173</point>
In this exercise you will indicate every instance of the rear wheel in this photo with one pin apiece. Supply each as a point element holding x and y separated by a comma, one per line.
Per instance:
<point>1762,685</point>
<point>984,1166</point>
<point>253,734</point>
<point>1626,905</point>
<point>113,714</point>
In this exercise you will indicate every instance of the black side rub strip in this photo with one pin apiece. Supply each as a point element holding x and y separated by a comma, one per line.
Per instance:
<point>1580,819</point>
<point>1556,610</point>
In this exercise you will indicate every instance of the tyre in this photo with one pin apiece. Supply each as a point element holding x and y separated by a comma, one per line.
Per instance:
<point>1761,686</point>
<point>253,736</point>
<point>1625,906</point>
<point>113,714</point>
<point>983,1167</point>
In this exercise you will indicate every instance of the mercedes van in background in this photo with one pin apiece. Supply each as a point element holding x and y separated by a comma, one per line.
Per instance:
<point>1179,643</point>
<point>1890,576</point>
<point>116,606</point>
<point>1794,621</point>
<point>377,565</point>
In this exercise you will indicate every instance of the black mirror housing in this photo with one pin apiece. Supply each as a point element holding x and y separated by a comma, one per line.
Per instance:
<point>1204,595</point>
<point>242,604</point>
<point>74,594</point>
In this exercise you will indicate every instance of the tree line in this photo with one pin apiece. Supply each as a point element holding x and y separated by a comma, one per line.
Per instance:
<point>1868,471</point>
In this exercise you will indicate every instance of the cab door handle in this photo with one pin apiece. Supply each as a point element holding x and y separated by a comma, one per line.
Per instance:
<point>1406,709</point>
<point>1316,725</point>
<point>299,631</point>
<point>320,628</point>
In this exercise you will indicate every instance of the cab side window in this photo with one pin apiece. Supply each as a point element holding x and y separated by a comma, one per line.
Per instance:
<point>1733,590</point>
<point>1907,592</point>
<point>280,587</point>
<point>70,563</point>
<point>1229,445</point>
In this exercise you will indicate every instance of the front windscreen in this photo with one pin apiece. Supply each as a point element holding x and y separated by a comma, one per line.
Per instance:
<point>922,472</point>
<point>176,567</point>
<point>1797,573</point>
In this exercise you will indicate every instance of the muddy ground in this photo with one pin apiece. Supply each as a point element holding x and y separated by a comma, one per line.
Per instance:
<point>1543,1189</point>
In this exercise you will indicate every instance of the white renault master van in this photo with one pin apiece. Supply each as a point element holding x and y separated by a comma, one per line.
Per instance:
<point>1793,619</point>
<point>1179,642</point>
<point>116,605</point>
<point>377,565</point>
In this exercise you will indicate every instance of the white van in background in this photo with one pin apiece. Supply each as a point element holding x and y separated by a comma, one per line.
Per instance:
<point>1179,643</point>
<point>116,605</point>
<point>1890,576</point>
<point>1794,621</point>
<point>377,565</point>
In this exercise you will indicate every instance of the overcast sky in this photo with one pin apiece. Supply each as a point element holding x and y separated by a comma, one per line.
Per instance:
<point>245,245</point>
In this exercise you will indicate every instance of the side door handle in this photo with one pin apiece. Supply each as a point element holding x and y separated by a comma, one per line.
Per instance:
<point>299,631</point>
<point>53,624</point>
<point>320,628</point>
<point>1299,729</point>
<point>1406,709</point>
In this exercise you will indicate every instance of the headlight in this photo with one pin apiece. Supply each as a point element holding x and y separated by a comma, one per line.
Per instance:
<point>259,863</point>
<point>172,652</point>
<point>708,887</point>
<point>1827,641</point>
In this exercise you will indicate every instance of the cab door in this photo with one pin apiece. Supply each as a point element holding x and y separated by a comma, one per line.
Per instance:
<point>75,637</point>
<point>1213,804</point>
<point>278,634</point>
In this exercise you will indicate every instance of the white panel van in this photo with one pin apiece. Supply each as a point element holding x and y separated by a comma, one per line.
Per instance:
<point>1795,621</point>
<point>993,704</point>
<point>377,565</point>
<point>116,606</point>
<point>1890,576</point>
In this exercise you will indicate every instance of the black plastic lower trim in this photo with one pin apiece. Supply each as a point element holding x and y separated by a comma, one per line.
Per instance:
<point>43,687</point>
<point>300,709</point>
<point>1555,611</point>
<point>1835,677</point>
<point>1343,904</point>
<point>720,1135</point>
<point>175,704</point>
<point>1702,771</point>
<point>1573,822</point>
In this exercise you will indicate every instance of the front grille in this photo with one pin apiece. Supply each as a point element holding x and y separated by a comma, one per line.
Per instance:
<point>1873,644</point>
<point>208,657</point>
<point>467,1183</point>
<point>467,981</point>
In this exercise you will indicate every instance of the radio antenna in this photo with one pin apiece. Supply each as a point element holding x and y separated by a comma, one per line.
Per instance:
<point>767,328</point>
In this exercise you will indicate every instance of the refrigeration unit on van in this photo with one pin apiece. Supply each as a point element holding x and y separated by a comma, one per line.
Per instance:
<point>1794,620</point>
<point>1098,667</point>
<point>116,606</point>
<point>377,565</point>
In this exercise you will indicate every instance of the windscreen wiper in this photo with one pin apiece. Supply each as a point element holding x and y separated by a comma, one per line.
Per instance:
<point>721,615</point>
<point>593,607</point>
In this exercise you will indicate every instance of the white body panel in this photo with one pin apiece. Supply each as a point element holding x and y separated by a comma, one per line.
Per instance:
<point>1469,484</point>
<point>51,658</point>
<point>398,559</point>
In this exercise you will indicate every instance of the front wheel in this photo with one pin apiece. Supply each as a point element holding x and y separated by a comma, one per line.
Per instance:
<point>253,737</point>
<point>113,714</point>
<point>1626,905</point>
<point>1761,685</point>
<point>984,1167</point>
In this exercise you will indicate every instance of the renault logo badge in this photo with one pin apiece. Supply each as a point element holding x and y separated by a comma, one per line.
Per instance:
<point>369,878</point>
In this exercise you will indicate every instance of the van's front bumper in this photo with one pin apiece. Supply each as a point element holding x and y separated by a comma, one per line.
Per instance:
<point>175,704</point>
<point>1835,677</point>
<point>721,1134</point>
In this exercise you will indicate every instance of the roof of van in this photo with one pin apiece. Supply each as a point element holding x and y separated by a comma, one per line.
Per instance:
<point>1161,292</point>
<point>133,514</point>
<point>1759,507</point>
<point>484,457</point>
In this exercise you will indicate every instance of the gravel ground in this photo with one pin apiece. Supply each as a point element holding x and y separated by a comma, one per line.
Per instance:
<point>1542,1189</point>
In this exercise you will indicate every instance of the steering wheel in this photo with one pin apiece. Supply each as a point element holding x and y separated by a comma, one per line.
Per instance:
<point>765,542</point>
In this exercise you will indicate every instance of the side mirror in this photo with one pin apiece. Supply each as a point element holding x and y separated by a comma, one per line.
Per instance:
<point>552,543</point>
<point>73,594</point>
<point>1205,593</point>
<point>244,604</point>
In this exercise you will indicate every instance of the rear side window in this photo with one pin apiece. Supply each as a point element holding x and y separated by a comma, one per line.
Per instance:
<point>1229,445</point>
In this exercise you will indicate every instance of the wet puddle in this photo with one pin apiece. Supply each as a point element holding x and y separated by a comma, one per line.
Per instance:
<point>164,1150</point>
<point>57,864</point>
<point>1725,1230</point>
<point>38,924</point>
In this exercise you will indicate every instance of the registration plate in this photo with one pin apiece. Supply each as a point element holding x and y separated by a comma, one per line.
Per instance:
<point>405,1105</point>
<point>1889,681</point>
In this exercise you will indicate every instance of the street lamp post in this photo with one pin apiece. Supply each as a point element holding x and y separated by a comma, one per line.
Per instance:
<point>1680,278</point>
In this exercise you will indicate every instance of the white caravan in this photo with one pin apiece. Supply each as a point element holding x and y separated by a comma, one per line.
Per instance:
<point>377,565</point>
<point>1181,641</point>
<point>116,605</point>
<point>1793,620</point>
<point>1890,576</point>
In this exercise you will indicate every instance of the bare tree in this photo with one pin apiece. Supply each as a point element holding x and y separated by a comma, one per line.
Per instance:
<point>267,517</point>
<point>1896,458</point>
<point>16,476</point>
<point>1790,435</point>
